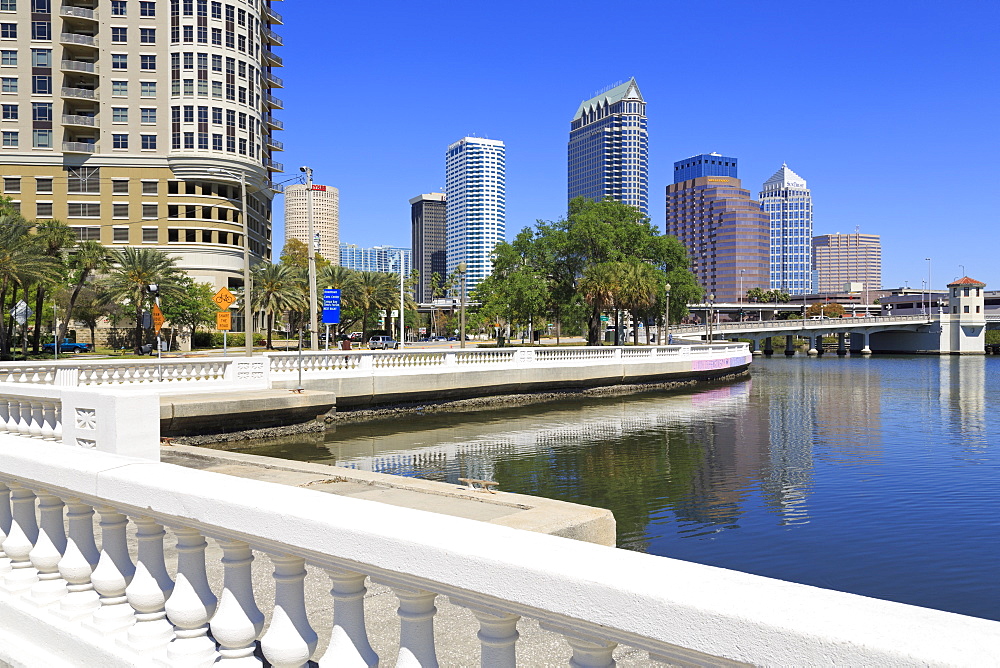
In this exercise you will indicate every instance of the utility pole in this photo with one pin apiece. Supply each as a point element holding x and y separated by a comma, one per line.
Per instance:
<point>402,319</point>
<point>313,321</point>
<point>461,320</point>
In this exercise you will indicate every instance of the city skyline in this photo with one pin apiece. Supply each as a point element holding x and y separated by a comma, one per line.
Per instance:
<point>893,108</point>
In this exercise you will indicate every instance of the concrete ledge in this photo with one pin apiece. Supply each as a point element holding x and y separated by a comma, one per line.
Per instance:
<point>239,410</point>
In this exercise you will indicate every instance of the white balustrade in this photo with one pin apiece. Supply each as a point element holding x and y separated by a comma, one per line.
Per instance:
<point>78,562</point>
<point>289,641</point>
<point>238,621</point>
<point>48,551</point>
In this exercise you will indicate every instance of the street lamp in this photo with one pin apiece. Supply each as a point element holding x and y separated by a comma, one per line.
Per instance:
<point>668,315</point>
<point>740,300</point>
<point>711,317</point>
<point>460,269</point>
<point>247,283</point>
<point>930,308</point>
<point>313,324</point>
<point>402,319</point>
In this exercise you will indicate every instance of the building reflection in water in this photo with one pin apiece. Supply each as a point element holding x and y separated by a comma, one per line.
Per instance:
<point>962,400</point>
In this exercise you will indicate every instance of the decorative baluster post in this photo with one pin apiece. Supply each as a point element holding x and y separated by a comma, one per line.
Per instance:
<point>238,621</point>
<point>19,417</point>
<point>289,641</point>
<point>416,628</point>
<point>48,420</point>
<point>349,644</point>
<point>4,413</point>
<point>113,574</point>
<point>20,539</point>
<point>497,635</point>
<point>5,521</point>
<point>590,652</point>
<point>148,591</point>
<point>78,562</point>
<point>48,551</point>
<point>35,419</point>
<point>192,604</point>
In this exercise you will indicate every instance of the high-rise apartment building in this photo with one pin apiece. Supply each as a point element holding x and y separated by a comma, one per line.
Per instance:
<point>725,232</point>
<point>384,259</point>
<point>325,218</point>
<point>608,148</point>
<point>475,186</point>
<point>788,202</point>
<point>428,216</point>
<point>839,259</point>
<point>133,121</point>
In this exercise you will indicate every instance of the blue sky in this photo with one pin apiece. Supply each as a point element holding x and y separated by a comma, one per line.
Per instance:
<point>888,109</point>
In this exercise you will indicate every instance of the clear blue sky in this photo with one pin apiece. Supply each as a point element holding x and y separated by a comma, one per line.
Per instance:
<point>888,109</point>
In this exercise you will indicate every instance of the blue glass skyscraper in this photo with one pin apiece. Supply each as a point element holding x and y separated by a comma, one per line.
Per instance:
<point>608,148</point>
<point>788,202</point>
<point>706,164</point>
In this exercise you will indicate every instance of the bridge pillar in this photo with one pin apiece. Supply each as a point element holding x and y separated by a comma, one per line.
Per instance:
<point>789,345</point>
<point>812,345</point>
<point>841,344</point>
<point>755,347</point>
<point>768,346</point>
<point>865,350</point>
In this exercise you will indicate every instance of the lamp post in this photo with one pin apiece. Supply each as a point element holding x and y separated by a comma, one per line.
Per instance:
<point>313,323</point>
<point>930,308</point>
<point>667,315</point>
<point>461,335</point>
<point>711,317</point>
<point>402,319</point>
<point>247,283</point>
<point>740,300</point>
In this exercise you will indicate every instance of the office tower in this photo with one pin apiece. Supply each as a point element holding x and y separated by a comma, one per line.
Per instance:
<point>608,148</point>
<point>475,185</point>
<point>325,215</point>
<point>725,232</point>
<point>114,117</point>
<point>428,216</point>
<point>384,259</point>
<point>839,259</point>
<point>788,202</point>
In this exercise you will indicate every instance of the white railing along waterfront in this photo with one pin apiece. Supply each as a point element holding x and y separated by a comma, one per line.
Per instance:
<point>208,370</point>
<point>824,323</point>
<point>69,592</point>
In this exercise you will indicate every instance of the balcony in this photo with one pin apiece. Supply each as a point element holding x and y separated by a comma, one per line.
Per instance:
<point>78,39</point>
<point>273,102</point>
<point>78,13</point>
<point>272,166</point>
<point>271,59</point>
<point>273,37</point>
<point>273,123</point>
<point>273,81</point>
<point>79,147</point>
<point>274,144</point>
<point>76,119</point>
<point>79,93</point>
<point>272,16</point>
<point>78,66</point>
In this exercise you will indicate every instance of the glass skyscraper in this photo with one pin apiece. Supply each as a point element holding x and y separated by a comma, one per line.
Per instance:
<point>608,148</point>
<point>384,259</point>
<point>788,202</point>
<point>475,189</point>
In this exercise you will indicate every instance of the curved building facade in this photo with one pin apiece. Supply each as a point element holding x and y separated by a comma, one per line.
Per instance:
<point>326,218</point>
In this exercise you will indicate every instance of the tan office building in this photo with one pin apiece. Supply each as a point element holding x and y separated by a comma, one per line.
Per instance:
<point>133,122</point>
<point>326,219</point>
<point>839,259</point>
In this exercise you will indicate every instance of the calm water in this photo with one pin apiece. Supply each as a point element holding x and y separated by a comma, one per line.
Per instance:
<point>876,476</point>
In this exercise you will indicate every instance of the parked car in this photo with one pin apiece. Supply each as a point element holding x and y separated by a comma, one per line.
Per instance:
<point>355,336</point>
<point>68,347</point>
<point>383,343</point>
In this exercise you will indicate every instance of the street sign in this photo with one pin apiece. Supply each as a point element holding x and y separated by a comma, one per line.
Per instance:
<point>331,306</point>
<point>21,312</point>
<point>158,318</point>
<point>321,189</point>
<point>604,318</point>
<point>224,320</point>
<point>224,298</point>
<point>395,313</point>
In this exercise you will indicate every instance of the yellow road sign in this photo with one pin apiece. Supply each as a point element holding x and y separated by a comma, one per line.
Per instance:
<point>224,320</point>
<point>158,318</point>
<point>224,298</point>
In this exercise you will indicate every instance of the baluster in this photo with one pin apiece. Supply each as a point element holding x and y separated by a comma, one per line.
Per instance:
<point>289,641</point>
<point>57,422</point>
<point>416,628</point>
<point>192,604</point>
<point>48,421</point>
<point>78,562</point>
<point>5,521</point>
<point>349,644</point>
<point>113,573</point>
<point>497,635</point>
<point>149,589</point>
<point>20,539</point>
<point>35,419</point>
<point>590,652</point>
<point>48,551</point>
<point>23,415</point>
<point>4,414</point>
<point>238,621</point>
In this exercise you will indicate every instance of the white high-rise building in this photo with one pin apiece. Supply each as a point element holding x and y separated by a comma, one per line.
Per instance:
<point>475,185</point>
<point>325,214</point>
<point>788,202</point>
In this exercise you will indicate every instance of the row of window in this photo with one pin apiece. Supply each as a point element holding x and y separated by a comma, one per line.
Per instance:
<point>39,57</point>
<point>41,84</point>
<point>39,139</point>
<point>150,235</point>
<point>40,111</point>
<point>119,61</point>
<point>147,8</point>
<point>199,35</point>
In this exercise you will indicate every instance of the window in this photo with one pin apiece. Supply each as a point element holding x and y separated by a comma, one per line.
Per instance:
<point>41,30</point>
<point>119,210</point>
<point>41,111</point>
<point>147,89</point>
<point>147,63</point>
<point>119,35</point>
<point>41,138</point>
<point>217,36</point>
<point>120,235</point>
<point>147,35</point>
<point>8,84</point>
<point>202,34</point>
<point>119,114</point>
<point>118,7</point>
<point>8,58</point>
<point>119,61</point>
<point>148,114</point>
<point>189,86</point>
<point>8,6</point>
<point>43,186</point>
<point>150,235</point>
<point>84,180</point>
<point>119,186</point>
<point>150,187</point>
<point>216,10</point>
<point>119,88</point>
<point>188,34</point>
<point>8,139</point>
<point>188,140</point>
<point>8,112</point>
<point>41,84</point>
<point>12,184</point>
<point>149,142</point>
<point>84,210</point>
<point>41,57</point>
<point>8,31</point>
<point>87,233</point>
<point>216,142</point>
<point>188,114</point>
<point>150,210</point>
<point>147,8</point>
<point>217,89</point>
<point>217,115</point>
<point>119,141</point>
<point>966,309</point>
<point>43,209</point>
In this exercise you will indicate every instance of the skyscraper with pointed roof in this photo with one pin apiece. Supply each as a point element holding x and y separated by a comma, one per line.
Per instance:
<point>788,202</point>
<point>608,154</point>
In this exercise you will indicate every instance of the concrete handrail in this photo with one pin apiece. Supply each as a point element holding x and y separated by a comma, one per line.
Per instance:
<point>594,596</point>
<point>245,371</point>
<point>800,324</point>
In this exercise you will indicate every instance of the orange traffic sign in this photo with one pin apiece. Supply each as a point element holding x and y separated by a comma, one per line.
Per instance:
<point>224,298</point>
<point>224,320</point>
<point>158,318</point>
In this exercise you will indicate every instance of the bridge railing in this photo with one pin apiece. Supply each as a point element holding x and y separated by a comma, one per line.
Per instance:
<point>68,592</point>
<point>825,323</point>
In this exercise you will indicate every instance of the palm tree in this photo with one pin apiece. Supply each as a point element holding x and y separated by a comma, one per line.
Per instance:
<point>638,291</point>
<point>277,288</point>
<point>376,291</point>
<point>54,237</point>
<point>23,262</point>
<point>600,289</point>
<point>87,259</point>
<point>134,271</point>
<point>343,279</point>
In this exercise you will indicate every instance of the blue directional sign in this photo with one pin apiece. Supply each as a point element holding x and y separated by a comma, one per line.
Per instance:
<point>331,307</point>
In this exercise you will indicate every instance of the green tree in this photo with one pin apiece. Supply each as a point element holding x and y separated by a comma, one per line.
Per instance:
<point>376,291</point>
<point>829,309</point>
<point>296,254</point>
<point>133,271</point>
<point>277,288</point>
<point>86,260</point>
<point>54,238</point>
<point>191,307</point>
<point>345,280</point>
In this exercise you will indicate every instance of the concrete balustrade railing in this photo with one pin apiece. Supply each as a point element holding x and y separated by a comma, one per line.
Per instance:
<point>70,597</point>
<point>246,372</point>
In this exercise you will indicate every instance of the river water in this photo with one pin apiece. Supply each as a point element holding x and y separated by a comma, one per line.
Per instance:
<point>877,476</point>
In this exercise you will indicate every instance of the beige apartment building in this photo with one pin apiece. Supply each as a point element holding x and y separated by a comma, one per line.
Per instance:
<point>133,122</point>
<point>325,215</point>
<point>839,259</point>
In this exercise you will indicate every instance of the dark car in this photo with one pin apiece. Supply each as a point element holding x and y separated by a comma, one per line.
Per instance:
<point>68,347</point>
